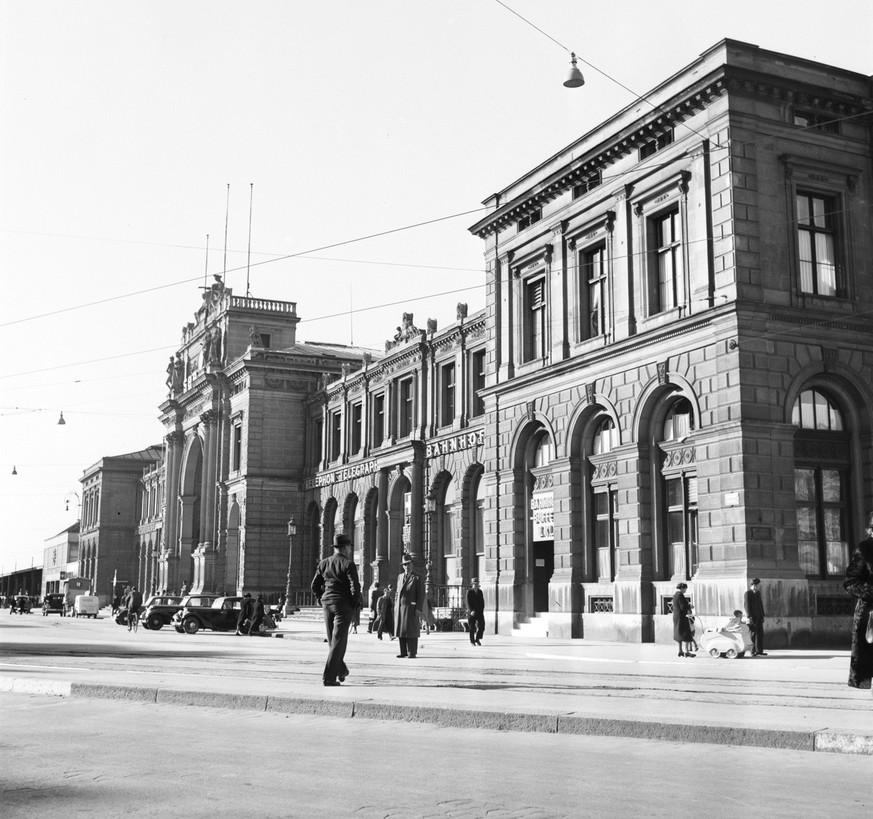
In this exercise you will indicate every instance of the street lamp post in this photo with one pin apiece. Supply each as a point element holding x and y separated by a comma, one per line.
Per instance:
<point>292,530</point>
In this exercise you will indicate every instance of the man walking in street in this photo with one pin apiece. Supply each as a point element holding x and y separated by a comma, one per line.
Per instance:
<point>410,602</point>
<point>245,612</point>
<point>476,613</point>
<point>755,612</point>
<point>337,588</point>
<point>375,594</point>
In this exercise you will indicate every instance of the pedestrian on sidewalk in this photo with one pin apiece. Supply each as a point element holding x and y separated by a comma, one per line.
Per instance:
<point>410,601</point>
<point>245,612</point>
<point>681,627</point>
<point>385,613</point>
<point>375,594</point>
<point>754,606</point>
<point>476,613</point>
<point>337,588</point>
<point>257,615</point>
<point>859,583</point>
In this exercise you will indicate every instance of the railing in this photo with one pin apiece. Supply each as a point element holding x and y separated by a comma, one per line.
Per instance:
<point>452,597</point>
<point>264,304</point>
<point>304,599</point>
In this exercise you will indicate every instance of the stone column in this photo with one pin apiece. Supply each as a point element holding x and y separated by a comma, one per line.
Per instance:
<point>208,488</point>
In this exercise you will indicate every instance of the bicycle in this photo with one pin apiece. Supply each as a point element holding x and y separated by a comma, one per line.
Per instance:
<point>132,621</point>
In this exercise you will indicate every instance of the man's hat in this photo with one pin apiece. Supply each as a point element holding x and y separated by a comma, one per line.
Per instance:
<point>407,558</point>
<point>755,581</point>
<point>341,541</point>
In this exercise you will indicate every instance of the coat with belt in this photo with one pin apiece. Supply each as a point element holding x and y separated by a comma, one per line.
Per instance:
<point>409,603</point>
<point>859,583</point>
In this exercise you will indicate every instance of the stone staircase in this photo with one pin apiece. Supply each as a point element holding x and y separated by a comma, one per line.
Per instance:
<point>536,628</point>
<point>308,613</point>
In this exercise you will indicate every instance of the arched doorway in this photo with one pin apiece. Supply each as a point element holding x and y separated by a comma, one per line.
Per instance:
<point>233,584</point>
<point>539,454</point>
<point>399,514</point>
<point>189,524</point>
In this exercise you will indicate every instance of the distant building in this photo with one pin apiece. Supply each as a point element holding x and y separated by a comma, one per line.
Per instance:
<point>236,436</point>
<point>112,491</point>
<point>60,559</point>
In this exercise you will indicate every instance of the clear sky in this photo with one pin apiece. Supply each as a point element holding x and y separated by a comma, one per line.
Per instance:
<point>123,123</point>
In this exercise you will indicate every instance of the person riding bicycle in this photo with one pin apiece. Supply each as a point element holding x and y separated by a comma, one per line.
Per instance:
<point>134,601</point>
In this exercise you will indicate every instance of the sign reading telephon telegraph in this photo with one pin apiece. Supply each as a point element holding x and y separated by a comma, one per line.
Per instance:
<point>455,444</point>
<point>345,474</point>
<point>542,515</point>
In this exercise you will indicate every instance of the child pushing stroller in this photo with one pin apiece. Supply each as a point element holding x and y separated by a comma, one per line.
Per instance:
<point>733,639</point>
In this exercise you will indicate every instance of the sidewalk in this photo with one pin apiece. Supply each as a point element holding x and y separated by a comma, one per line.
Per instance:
<point>794,699</point>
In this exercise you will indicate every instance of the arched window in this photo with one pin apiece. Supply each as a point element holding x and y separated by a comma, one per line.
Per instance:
<point>821,482</point>
<point>543,451</point>
<point>678,506</point>
<point>604,437</point>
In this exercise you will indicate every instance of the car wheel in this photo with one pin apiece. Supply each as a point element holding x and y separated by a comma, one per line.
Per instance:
<point>154,622</point>
<point>190,625</point>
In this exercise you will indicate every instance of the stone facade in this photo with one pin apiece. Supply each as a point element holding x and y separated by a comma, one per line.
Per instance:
<point>399,460</point>
<point>678,309</point>
<point>112,491</point>
<point>235,437</point>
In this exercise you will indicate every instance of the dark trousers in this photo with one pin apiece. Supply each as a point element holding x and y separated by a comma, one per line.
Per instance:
<point>476,625</point>
<point>757,629</point>
<point>337,619</point>
<point>256,622</point>
<point>408,645</point>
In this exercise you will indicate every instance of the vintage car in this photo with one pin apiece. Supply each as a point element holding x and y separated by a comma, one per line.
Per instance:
<point>193,602</point>
<point>54,604</point>
<point>221,615</point>
<point>159,609</point>
<point>86,605</point>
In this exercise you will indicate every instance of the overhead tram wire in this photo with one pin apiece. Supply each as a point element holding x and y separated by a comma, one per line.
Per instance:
<point>237,269</point>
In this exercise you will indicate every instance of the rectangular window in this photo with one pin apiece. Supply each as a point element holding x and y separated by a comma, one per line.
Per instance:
<point>589,184</point>
<point>236,464</point>
<point>535,319</point>
<point>822,512</point>
<point>606,531</point>
<point>357,422</point>
<point>336,434</point>
<point>477,369</point>
<point>819,122</point>
<point>682,532</point>
<point>317,443</point>
<point>657,144</point>
<point>447,394</point>
<point>666,259</point>
<point>592,287</point>
<point>816,239</point>
<point>405,408</point>
<point>530,219</point>
<point>265,340</point>
<point>378,419</point>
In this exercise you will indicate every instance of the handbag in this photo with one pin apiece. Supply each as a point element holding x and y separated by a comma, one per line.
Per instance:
<point>869,635</point>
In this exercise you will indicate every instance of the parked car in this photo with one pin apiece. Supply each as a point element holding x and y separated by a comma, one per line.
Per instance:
<point>54,604</point>
<point>220,616</point>
<point>158,610</point>
<point>192,601</point>
<point>86,605</point>
<point>21,604</point>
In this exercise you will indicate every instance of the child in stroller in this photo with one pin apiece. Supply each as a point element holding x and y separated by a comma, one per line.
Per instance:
<point>733,639</point>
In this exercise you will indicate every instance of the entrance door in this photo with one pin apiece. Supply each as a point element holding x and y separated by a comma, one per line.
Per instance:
<point>544,568</point>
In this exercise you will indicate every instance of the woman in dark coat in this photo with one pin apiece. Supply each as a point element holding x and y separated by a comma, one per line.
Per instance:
<point>859,583</point>
<point>681,627</point>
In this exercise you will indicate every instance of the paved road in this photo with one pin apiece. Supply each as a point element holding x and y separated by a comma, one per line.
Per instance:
<point>64,757</point>
<point>790,699</point>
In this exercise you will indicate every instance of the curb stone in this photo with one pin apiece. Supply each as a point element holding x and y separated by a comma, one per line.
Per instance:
<point>814,740</point>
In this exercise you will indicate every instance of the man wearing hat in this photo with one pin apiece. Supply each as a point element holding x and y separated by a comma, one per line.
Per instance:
<point>755,612</point>
<point>410,602</point>
<point>476,613</point>
<point>337,588</point>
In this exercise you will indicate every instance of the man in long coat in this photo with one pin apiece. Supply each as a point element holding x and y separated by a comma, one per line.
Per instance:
<point>755,614</point>
<point>410,602</point>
